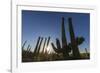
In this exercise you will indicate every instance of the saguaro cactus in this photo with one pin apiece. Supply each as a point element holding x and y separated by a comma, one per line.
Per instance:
<point>63,36</point>
<point>44,45</point>
<point>64,49</point>
<point>28,48</point>
<point>24,45</point>
<point>75,50</point>
<point>64,40</point>
<point>48,41</point>
<point>39,47</point>
<point>58,49</point>
<point>87,53</point>
<point>36,47</point>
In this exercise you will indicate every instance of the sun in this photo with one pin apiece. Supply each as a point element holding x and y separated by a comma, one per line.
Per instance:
<point>49,49</point>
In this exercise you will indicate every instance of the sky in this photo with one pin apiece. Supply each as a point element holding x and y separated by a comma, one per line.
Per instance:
<point>45,24</point>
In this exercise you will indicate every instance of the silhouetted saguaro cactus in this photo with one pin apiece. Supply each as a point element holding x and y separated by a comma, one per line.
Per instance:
<point>28,47</point>
<point>63,36</point>
<point>28,50</point>
<point>58,44</point>
<point>64,49</point>
<point>24,45</point>
<point>86,50</point>
<point>79,41</point>
<point>58,49</point>
<point>48,41</point>
<point>37,45</point>
<point>87,54</point>
<point>75,49</point>
<point>64,40</point>
<point>44,45</point>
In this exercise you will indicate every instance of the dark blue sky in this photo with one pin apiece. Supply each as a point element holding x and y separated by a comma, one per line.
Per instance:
<point>45,24</point>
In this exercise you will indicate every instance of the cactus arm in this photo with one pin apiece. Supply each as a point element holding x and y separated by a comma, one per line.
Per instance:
<point>58,44</point>
<point>80,40</point>
<point>55,49</point>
